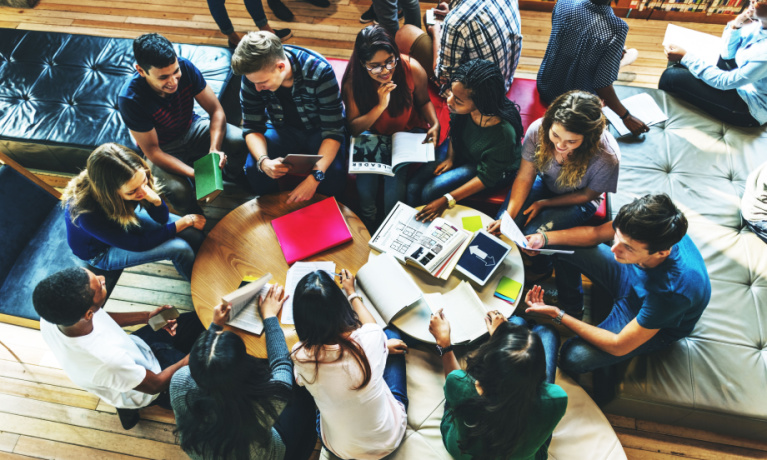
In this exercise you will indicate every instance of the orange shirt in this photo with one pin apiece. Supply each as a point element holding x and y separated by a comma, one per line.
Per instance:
<point>410,118</point>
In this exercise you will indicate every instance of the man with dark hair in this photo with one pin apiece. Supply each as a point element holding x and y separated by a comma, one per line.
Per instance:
<point>157,105</point>
<point>127,371</point>
<point>653,271</point>
<point>584,52</point>
<point>291,103</point>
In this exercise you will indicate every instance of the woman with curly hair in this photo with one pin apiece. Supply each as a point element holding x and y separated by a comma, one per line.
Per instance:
<point>568,160</point>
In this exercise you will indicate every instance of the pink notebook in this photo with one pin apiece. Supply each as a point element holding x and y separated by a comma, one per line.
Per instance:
<point>311,230</point>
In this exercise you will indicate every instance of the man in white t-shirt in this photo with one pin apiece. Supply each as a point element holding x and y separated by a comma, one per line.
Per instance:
<point>126,371</point>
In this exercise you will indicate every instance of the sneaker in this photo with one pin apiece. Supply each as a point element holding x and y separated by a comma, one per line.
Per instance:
<point>629,56</point>
<point>320,3</point>
<point>368,16</point>
<point>128,417</point>
<point>283,34</point>
<point>281,11</point>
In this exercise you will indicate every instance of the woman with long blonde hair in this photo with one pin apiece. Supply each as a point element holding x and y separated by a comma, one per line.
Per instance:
<point>569,159</point>
<point>116,218</point>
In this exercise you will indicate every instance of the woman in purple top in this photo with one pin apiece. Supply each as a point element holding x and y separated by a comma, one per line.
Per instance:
<point>569,160</point>
<point>115,217</point>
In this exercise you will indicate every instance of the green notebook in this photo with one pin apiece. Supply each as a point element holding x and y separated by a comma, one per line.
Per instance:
<point>207,177</point>
<point>508,289</point>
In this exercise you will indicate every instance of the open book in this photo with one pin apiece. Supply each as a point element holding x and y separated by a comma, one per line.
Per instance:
<point>379,154</point>
<point>434,247</point>
<point>463,309</point>
<point>705,46</point>
<point>244,314</point>
<point>387,288</point>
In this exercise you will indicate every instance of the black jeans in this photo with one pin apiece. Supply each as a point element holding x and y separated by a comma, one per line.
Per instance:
<point>170,350</point>
<point>296,425</point>
<point>725,105</point>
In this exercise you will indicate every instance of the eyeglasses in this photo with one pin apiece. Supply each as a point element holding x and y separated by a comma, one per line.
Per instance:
<point>390,64</point>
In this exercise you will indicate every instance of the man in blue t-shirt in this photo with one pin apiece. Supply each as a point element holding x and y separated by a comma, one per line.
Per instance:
<point>653,271</point>
<point>157,105</point>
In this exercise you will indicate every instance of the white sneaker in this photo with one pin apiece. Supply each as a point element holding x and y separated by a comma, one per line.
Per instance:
<point>629,56</point>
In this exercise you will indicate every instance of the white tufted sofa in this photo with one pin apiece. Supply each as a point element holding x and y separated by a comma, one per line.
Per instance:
<point>583,432</point>
<point>716,379</point>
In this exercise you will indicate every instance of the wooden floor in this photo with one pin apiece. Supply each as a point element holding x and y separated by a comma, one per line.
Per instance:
<point>44,415</point>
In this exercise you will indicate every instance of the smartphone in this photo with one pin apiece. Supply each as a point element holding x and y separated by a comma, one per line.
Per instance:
<point>158,322</point>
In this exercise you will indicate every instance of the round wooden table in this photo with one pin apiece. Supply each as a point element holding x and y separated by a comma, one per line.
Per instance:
<point>415,321</point>
<point>244,243</point>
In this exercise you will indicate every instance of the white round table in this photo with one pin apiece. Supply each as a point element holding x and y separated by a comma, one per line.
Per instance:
<point>415,321</point>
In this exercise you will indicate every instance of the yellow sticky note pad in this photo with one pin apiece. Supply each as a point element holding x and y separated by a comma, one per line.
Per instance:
<point>472,223</point>
<point>507,287</point>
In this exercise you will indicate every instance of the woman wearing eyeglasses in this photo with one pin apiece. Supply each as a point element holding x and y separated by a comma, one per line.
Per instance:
<point>385,92</point>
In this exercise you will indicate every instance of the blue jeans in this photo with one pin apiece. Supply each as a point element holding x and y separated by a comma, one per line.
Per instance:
<point>424,187</point>
<point>557,218</point>
<point>550,340</point>
<point>286,140</point>
<point>296,425</point>
<point>178,250</point>
<point>218,11</point>
<point>759,227</point>
<point>598,264</point>
<point>171,349</point>
<point>394,375</point>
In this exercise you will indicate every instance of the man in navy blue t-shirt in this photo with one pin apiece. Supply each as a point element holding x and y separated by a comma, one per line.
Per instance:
<point>653,271</point>
<point>157,105</point>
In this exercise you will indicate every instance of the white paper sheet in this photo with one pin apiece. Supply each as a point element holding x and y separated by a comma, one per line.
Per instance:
<point>463,309</point>
<point>641,106</point>
<point>295,273</point>
<point>511,231</point>
<point>249,319</point>
<point>705,46</point>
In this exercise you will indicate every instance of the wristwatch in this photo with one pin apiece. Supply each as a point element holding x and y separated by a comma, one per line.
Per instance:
<point>319,175</point>
<point>450,200</point>
<point>442,351</point>
<point>559,317</point>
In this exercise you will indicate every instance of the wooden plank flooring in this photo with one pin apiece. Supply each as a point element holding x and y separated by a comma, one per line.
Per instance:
<point>44,415</point>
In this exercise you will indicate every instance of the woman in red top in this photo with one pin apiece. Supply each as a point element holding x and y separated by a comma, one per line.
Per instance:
<point>385,92</point>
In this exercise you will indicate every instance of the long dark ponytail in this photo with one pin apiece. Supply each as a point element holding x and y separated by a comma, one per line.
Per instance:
<point>511,369</point>
<point>234,404</point>
<point>485,84</point>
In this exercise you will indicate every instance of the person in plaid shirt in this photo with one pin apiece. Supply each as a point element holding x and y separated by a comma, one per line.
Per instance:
<point>291,103</point>
<point>472,29</point>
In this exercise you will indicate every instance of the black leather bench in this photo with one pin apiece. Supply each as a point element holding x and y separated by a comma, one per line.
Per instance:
<point>58,94</point>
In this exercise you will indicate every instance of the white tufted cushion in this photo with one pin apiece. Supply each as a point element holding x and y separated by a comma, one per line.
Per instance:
<point>583,432</point>
<point>715,379</point>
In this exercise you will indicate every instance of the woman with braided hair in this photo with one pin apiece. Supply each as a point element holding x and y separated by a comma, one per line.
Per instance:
<point>485,142</point>
<point>569,160</point>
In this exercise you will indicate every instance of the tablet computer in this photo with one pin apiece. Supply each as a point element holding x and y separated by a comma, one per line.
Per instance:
<point>482,257</point>
<point>301,164</point>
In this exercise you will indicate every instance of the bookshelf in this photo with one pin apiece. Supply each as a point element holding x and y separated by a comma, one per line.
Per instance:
<point>704,11</point>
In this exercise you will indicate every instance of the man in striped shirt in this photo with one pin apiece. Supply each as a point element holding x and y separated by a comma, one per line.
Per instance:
<point>291,103</point>
<point>472,29</point>
<point>157,105</point>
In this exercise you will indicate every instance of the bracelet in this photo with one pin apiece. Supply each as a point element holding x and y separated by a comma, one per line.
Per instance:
<point>261,160</point>
<point>626,114</point>
<point>353,296</point>
<point>559,317</point>
<point>545,238</point>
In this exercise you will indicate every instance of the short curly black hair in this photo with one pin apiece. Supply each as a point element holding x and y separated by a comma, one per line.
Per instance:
<point>153,50</point>
<point>64,297</point>
<point>653,220</point>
